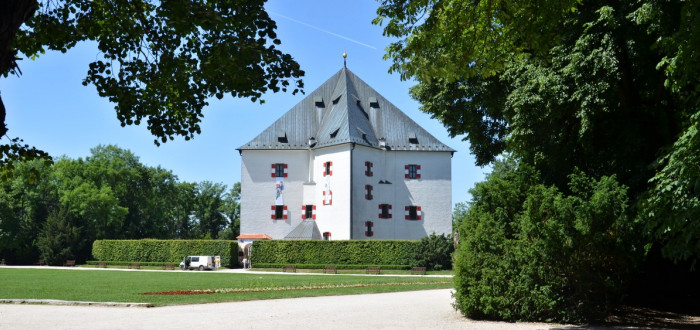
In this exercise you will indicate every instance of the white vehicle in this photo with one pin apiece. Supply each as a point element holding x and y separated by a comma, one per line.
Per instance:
<point>198,262</point>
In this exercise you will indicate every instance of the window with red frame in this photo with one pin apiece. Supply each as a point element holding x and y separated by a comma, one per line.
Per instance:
<point>412,171</point>
<point>369,225</point>
<point>413,213</point>
<point>278,212</point>
<point>327,168</point>
<point>368,192</point>
<point>385,211</point>
<point>368,169</point>
<point>308,212</point>
<point>279,170</point>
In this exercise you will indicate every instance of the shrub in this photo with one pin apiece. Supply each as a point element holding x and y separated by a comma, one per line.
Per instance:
<point>357,252</point>
<point>126,263</point>
<point>170,251</point>
<point>435,252</point>
<point>529,252</point>
<point>321,266</point>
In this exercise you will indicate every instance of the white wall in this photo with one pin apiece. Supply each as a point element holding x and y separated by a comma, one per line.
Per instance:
<point>258,190</point>
<point>432,192</point>
<point>333,218</point>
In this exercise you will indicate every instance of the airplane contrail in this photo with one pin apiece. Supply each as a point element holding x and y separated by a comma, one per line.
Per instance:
<point>322,30</point>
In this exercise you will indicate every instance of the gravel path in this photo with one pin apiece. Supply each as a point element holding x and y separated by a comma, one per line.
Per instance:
<point>428,309</point>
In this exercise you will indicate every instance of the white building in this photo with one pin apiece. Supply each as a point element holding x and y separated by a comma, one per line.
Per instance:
<point>343,164</point>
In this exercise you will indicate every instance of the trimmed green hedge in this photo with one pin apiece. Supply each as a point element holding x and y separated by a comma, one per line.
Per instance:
<point>392,253</point>
<point>126,263</point>
<point>166,251</point>
<point>321,266</point>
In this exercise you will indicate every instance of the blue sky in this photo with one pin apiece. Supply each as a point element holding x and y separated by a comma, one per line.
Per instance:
<point>49,108</point>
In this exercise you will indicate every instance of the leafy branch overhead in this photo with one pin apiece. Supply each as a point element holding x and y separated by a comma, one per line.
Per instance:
<point>160,61</point>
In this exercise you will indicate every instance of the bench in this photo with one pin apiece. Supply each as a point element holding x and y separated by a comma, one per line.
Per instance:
<point>135,265</point>
<point>69,263</point>
<point>374,270</point>
<point>169,267</point>
<point>102,264</point>
<point>330,270</point>
<point>418,270</point>
<point>291,268</point>
<point>41,262</point>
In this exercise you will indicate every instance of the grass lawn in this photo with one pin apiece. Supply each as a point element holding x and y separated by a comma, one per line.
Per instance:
<point>356,271</point>
<point>176,287</point>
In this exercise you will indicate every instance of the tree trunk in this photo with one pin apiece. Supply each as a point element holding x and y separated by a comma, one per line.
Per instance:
<point>13,13</point>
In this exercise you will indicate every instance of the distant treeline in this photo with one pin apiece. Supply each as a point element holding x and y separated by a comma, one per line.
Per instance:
<point>55,211</point>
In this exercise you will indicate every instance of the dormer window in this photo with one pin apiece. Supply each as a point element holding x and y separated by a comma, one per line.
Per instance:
<point>412,138</point>
<point>282,138</point>
<point>333,135</point>
<point>373,103</point>
<point>318,102</point>
<point>311,142</point>
<point>336,99</point>
<point>362,134</point>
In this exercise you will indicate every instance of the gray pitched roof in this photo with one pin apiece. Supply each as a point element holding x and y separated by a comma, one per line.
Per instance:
<point>345,109</point>
<point>307,229</point>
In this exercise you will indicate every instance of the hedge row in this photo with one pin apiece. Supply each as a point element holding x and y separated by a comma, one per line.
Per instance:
<point>166,251</point>
<point>321,266</point>
<point>126,263</point>
<point>358,252</point>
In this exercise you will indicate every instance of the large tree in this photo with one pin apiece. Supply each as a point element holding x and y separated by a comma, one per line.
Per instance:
<point>209,208</point>
<point>157,61</point>
<point>605,87</point>
<point>603,90</point>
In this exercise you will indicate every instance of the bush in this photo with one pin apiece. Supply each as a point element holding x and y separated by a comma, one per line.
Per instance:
<point>357,252</point>
<point>528,252</point>
<point>435,252</point>
<point>127,263</point>
<point>166,251</point>
<point>321,266</point>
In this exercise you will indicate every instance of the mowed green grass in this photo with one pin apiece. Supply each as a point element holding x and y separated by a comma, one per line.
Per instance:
<point>129,286</point>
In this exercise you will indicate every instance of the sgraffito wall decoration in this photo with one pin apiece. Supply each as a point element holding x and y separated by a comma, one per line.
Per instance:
<point>279,191</point>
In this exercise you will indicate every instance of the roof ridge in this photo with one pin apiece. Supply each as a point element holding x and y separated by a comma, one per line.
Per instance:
<point>358,116</point>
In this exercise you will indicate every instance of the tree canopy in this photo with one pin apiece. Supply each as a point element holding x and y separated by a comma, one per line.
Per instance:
<point>158,61</point>
<point>605,87</point>
<point>108,195</point>
<point>601,90</point>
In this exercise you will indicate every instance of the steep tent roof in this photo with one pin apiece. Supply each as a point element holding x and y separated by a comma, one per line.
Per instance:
<point>307,229</point>
<point>345,109</point>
